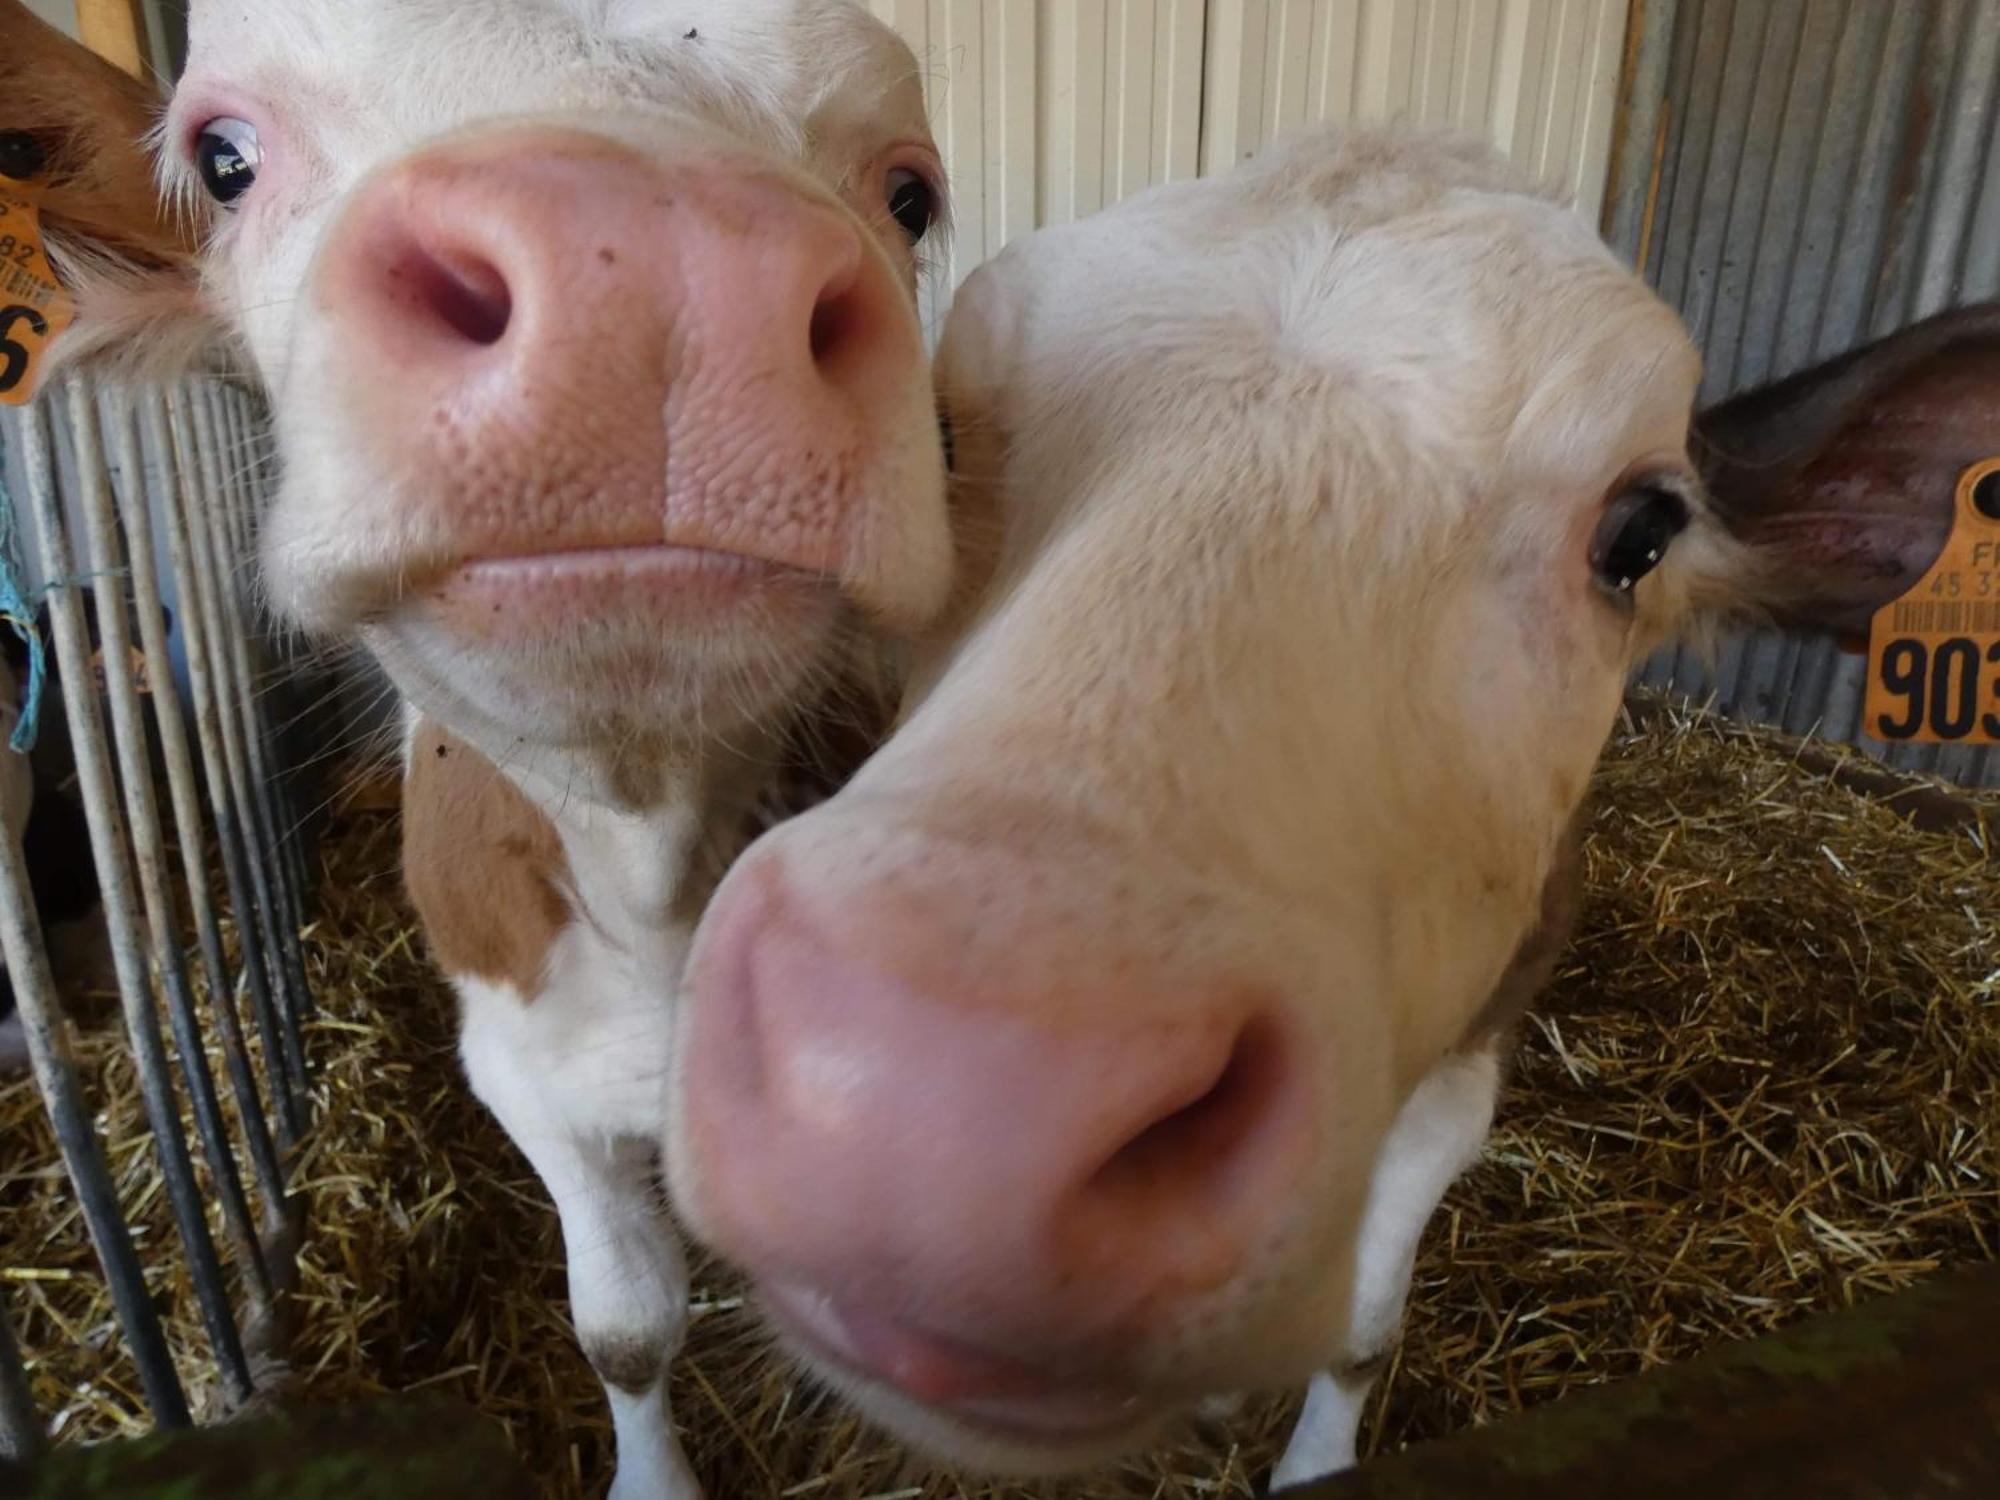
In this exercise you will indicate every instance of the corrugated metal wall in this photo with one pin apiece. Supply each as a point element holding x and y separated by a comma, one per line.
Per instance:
<point>1050,109</point>
<point>1798,177</point>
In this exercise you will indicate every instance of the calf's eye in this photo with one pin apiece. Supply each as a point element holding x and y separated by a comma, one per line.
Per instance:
<point>912,204</point>
<point>21,155</point>
<point>1638,526</point>
<point>228,154</point>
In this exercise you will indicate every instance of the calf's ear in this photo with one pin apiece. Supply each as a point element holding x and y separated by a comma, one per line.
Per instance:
<point>77,128</point>
<point>1840,480</point>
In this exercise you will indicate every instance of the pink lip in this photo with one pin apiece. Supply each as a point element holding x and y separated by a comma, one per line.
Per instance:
<point>981,1389</point>
<point>521,597</point>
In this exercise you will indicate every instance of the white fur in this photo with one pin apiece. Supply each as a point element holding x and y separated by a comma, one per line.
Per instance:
<point>1288,669</point>
<point>814,94</point>
<point>574,1077</point>
<point>1435,1138</point>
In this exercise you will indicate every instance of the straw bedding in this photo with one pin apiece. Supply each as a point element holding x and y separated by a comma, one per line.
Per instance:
<point>1766,1081</point>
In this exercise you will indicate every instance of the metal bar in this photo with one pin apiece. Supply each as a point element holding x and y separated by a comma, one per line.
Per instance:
<point>104,558</point>
<point>291,825</point>
<point>54,1065</point>
<point>183,794</point>
<point>241,533</point>
<point>200,625</point>
<point>47,1033</point>
<point>230,552</point>
<point>21,1434</point>
<point>108,842</point>
<point>259,487</point>
<point>1897,1399</point>
<point>1630,207</point>
<point>247,771</point>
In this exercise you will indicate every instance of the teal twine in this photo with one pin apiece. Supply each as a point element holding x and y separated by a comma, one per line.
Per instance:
<point>19,607</point>
<point>18,610</point>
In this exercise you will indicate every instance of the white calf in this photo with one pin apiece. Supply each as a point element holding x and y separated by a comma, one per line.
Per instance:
<point>605,424</point>
<point>1105,1044</point>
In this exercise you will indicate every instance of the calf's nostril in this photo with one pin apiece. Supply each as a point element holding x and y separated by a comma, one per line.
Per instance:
<point>1189,1151</point>
<point>464,292</point>
<point>836,318</point>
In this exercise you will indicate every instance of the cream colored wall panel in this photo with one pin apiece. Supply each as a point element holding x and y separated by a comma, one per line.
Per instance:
<point>1178,54</point>
<point>1047,110</point>
<point>1121,100</point>
<point>978,63</point>
<point>1537,77</point>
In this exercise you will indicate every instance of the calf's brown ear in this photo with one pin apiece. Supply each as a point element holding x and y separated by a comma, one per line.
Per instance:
<point>78,127</point>
<point>1840,480</point>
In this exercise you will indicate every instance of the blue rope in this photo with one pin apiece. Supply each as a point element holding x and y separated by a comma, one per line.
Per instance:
<point>18,610</point>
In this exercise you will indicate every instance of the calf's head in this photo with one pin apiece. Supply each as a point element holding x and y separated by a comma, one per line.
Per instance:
<point>1315,517</point>
<point>590,336</point>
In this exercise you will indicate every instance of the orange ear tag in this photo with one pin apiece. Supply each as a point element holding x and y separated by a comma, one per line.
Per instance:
<point>34,309</point>
<point>1934,654</point>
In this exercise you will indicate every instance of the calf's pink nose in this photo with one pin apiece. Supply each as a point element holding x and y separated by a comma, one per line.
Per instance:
<point>1017,1167</point>
<point>579,344</point>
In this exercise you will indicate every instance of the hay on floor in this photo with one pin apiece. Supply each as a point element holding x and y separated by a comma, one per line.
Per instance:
<point>1765,1082</point>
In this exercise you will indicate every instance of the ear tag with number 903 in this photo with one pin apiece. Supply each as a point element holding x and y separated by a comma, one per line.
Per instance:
<point>34,309</point>
<point>1934,654</point>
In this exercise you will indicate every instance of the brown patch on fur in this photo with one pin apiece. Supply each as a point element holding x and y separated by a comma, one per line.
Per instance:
<point>1534,961</point>
<point>91,119</point>
<point>484,868</point>
<point>632,1364</point>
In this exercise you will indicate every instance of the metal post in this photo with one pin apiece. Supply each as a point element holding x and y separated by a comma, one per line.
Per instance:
<point>228,659</point>
<point>21,1434</point>
<point>198,628</point>
<point>228,555</point>
<point>47,1034</point>
<point>114,880</point>
<point>254,496</point>
<point>104,560</point>
<point>182,792</point>
<point>235,541</point>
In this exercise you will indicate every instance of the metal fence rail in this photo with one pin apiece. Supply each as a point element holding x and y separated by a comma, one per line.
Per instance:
<point>129,496</point>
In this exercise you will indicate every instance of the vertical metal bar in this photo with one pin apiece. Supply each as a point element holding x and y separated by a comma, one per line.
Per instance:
<point>200,626</point>
<point>1630,207</point>
<point>182,792</point>
<point>247,768</point>
<point>257,479</point>
<point>240,534</point>
<point>47,1033</point>
<point>104,558</point>
<point>108,842</point>
<point>21,1434</point>
<point>291,845</point>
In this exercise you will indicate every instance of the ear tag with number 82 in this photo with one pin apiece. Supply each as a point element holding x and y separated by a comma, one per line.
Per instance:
<point>1934,654</point>
<point>34,310</point>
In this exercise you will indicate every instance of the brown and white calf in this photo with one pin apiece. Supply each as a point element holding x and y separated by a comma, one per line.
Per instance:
<point>1104,1046</point>
<point>589,332</point>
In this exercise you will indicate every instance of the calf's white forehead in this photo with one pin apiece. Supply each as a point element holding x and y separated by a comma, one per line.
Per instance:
<point>428,62</point>
<point>339,87</point>
<point>1429,305</point>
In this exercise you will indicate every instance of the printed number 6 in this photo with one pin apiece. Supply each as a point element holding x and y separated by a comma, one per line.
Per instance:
<point>14,356</point>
